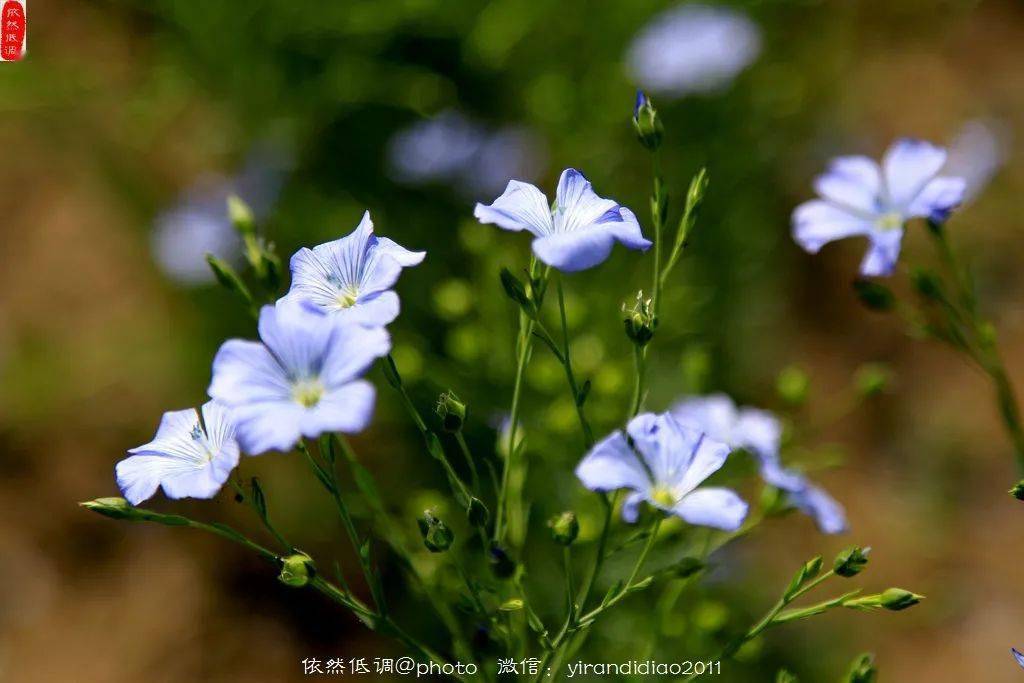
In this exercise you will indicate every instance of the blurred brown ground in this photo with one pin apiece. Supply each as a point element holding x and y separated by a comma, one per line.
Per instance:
<point>91,346</point>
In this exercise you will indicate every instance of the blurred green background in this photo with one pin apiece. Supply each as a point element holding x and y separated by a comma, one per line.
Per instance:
<point>129,119</point>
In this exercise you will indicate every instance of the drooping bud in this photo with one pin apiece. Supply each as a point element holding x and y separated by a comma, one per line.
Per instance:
<point>639,320</point>
<point>437,537</point>
<point>296,570</point>
<point>793,385</point>
<point>851,561</point>
<point>897,599</point>
<point>564,528</point>
<point>451,410</point>
<point>646,122</point>
<point>862,670</point>
<point>502,566</point>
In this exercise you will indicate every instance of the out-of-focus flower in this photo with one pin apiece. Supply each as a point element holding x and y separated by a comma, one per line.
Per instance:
<point>450,148</point>
<point>198,224</point>
<point>576,235</point>
<point>693,48</point>
<point>188,457</point>
<point>351,278</point>
<point>976,154</point>
<point>663,462</point>
<point>1018,656</point>
<point>301,379</point>
<point>859,198</point>
<point>759,432</point>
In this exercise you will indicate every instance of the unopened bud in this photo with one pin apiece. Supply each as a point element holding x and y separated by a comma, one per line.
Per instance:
<point>564,528</point>
<point>646,122</point>
<point>926,283</point>
<point>296,570</point>
<point>862,670</point>
<point>874,295</point>
<point>501,564</point>
<point>451,410</point>
<point>897,599</point>
<point>1018,490</point>
<point>115,508</point>
<point>639,320</point>
<point>241,215</point>
<point>851,561</point>
<point>437,537</point>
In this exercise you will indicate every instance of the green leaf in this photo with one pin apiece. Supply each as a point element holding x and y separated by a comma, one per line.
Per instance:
<point>516,290</point>
<point>807,572</point>
<point>259,501</point>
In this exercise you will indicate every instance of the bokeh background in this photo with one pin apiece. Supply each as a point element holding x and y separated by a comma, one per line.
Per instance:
<point>129,122</point>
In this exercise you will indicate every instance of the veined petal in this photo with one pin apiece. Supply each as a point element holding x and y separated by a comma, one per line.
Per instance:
<point>628,231</point>
<point>822,508</point>
<point>714,507</point>
<point>908,166</point>
<point>376,310</point>
<point>938,199</point>
<point>403,256</point>
<point>570,252</point>
<point>521,207</point>
<point>351,351</point>
<point>246,371</point>
<point>296,336</point>
<point>708,457</point>
<point>816,223</point>
<point>610,465</point>
<point>1018,656</point>
<point>883,253</point>
<point>577,206</point>
<point>347,409</point>
<point>851,181</point>
<point>268,426</point>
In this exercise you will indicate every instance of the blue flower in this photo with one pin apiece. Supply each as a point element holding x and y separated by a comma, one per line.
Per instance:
<point>860,198</point>
<point>352,277</point>
<point>189,457</point>
<point>576,235</point>
<point>693,48</point>
<point>760,433</point>
<point>1018,656</point>
<point>663,466</point>
<point>303,379</point>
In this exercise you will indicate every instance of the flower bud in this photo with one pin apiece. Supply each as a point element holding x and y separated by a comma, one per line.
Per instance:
<point>437,537</point>
<point>897,599</point>
<point>476,512</point>
<point>793,385</point>
<point>115,508</point>
<point>501,564</point>
<point>296,570</point>
<point>639,320</point>
<point>872,379</point>
<point>851,561</point>
<point>926,284</point>
<point>241,215</point>
<point>862,670</point>
<point>646,122</point>
<point>451,410</point>
<point>784,676</point>
<point>564,528</point>
<point>1018,490</point>
<point>874,295</point>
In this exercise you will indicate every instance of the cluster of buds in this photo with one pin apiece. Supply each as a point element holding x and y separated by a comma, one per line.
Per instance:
<point>639,319</point>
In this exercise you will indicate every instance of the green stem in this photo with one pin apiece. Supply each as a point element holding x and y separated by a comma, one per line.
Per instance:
<point>656,216</point>
<point>639,363</point>
<point>265,518</point>
<point>523,346</point>
<point>468,455</point>
<point>577,398</point>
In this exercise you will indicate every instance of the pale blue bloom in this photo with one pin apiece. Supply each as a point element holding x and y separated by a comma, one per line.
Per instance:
<point>301,379</point>
<point>759,432</point>
<point>663,462</point>
<point>577,234</point>
<point>351,278</point>
<point>693,48</point>
<point>188,457</point>
<point>860,198</point>
<point>1018,656</point>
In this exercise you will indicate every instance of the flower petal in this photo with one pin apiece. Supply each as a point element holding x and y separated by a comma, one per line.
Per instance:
<point>628,231</point>
<point>268,426</point>
<point>774,474</point>
<point>938,199</point>
<point>577,206</point>
<point>1018,656</point>
<point>246,371</point>
<point>852,181</point>
<point>883,253</point>
<point>347,409</point>
<point>570,252</point>
<point>757,430</point>
<point>296,336</point>
<point>611,464</point>
<point>908,166</point>
<point>631,507</point>
<point>714,507</point>
<point>521,207</point>
<point>351,351</point>
<point>822,508</point>
<point>816,223</point>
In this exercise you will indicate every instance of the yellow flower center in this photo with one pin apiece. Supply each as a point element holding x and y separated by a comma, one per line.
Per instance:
<point>890,221</point>
<point>663,496</point>
<point>308,392</point>
<point>347,297</point>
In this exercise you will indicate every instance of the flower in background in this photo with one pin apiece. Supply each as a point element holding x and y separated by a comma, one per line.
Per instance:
<point>760,433</point>
<point>976,154</point>
<point>199,224</point>
<point>301,379</point>
<point>352,277</point>
<point>189,457</point>
<point>577,234</point>
<point>860,198</point>
<point>663,462</point>
<point>449,148</point>
<point>693,49</point>
<point>1018,656</point>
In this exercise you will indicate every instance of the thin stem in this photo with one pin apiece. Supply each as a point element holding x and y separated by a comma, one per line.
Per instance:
<point>523,346</point>
<point>639,363</point>
<point>264,517</point>
<point>470,463</point>
<point>577,398</point>
<point>656,216</point>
